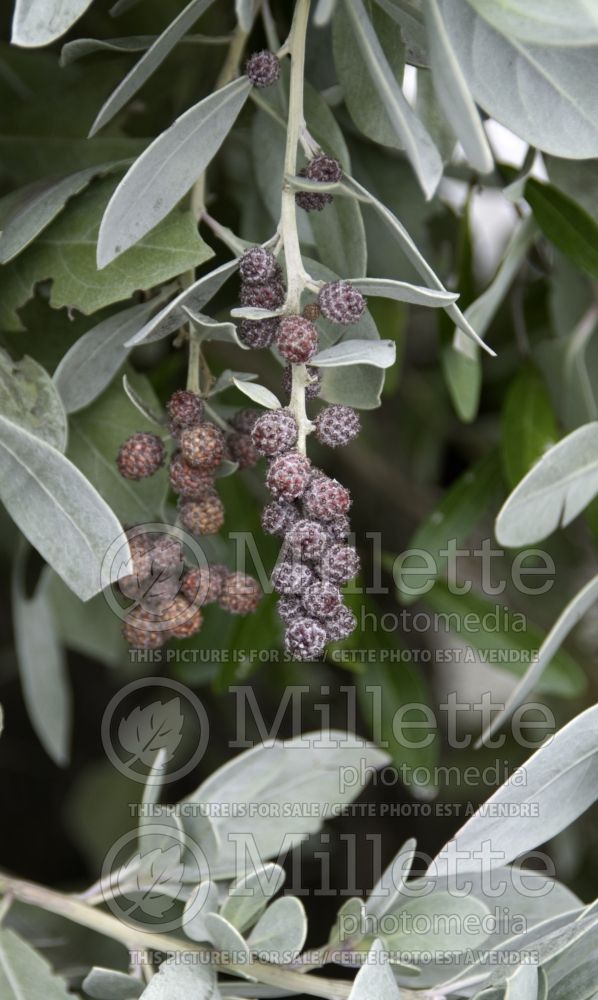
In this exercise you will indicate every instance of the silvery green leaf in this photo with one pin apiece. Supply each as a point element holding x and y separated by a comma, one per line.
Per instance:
<point>306,769</point>
<point>402,291</point>
<point>420,149</point>
<point>176,980</point>
<point>246,11</point>
<point>544,796</point>
<point>360,92</point>
<point>323,12</point>
<point>93,360</point>
<point>558,487</point>
<point>543,93</point>
<point>25,974</point>
<point>39,204</point>
<point>159,419</point>
<point>81,47</point>
<point>225,937</point>
<point>409,16</point>
<point>359,386</point>
<point>91,628</point>
<point>453,93</point>
<point>248,896</point>
<point>375,980</point>
<point>464,928</point>
<point>207,328</point>
<point>167,169</point>
<point>523,984</point>
<point>409,248</point>
<point>204,899</point>
<point>29,398</point>
<point>254,312</point>
<point>461,361</point>
<point>39,22</point>
<point>228,378</point>
<point>379,353</point>
<point>42,665</point>
<point>258,393</point>
<point>108,984</point>
<point>385,894</point>
<point>349,924</point>
<point>149,62</point>
<point>566,621</point>
<point>172,316</point>
<point>305,184</point>
<point>280,933</point>
<point>64,518</point>
<point>543,22</point>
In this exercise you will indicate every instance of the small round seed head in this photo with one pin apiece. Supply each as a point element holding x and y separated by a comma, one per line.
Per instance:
<point>153,553</point>
<point>183,618</point>
<point>326,499</point>
<point>144,629</point>
<point>290,576</point>
<point>185,408</point>
<point>288,475</point>
<point>269,295</point>
<point>312,389</point>
<point>203,585</point>
<point>258,266</point>
<point>312,201</point>
<point>341,624</point>
<point>305,638</point>
<point>341,303</point>
<point>243,420</point>
<point>262,68</point>
<point>337,425</point>
<point>203,446</point>
<point>258,333</point>
<point>289,608</point>
<point>240,594</point>
<point>325,169</point>
<point>140,456</point>
<point>242,450</point>
<point>278,517</point>
<point>339,563</point>
<point>274,432</point>
<point>339,528</point>
<point>202,517</point>
<point>321,599</point>
<point>297,339</point>
<point>308,538</point>
<point>188,481</point>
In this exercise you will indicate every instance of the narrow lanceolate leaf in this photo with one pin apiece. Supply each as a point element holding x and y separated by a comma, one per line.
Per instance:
<point>540,799</point>
<point>379,353</point>
<point>566,621</point>
<point>81,47</point>
<point>24,974</point>
<point>191,300</point>
<point>461,360</point>
<point>554,491</point>
<point>29,398</point>
<point>375,980</point>
<point>93,360</point>
<point>352,188</point>
<point>323,12</point>
<point>42,665</point>
<point>565,223</point>
<point>40,204</point>
<point>258,393</point>
<point>402,291</point>
<point>246,11</point>
<point>149,62</point>
<point>64,518</point>
<point>453,93</point>
<point>167,169</point>
<point>39,22</point>
<point>420,149</point>
<point>529,426</point>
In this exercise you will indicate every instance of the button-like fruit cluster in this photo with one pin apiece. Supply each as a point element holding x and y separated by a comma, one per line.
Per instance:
<point>169,598</point>
<point>262,68</point>
<point>325,170</point>
<point>140,456</point>
<point>262,287</point>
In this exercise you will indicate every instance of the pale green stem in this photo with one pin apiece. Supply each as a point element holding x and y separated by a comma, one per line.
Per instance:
<point>194,365</point>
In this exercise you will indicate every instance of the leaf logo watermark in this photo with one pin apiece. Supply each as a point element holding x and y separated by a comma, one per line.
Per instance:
<point>155,727</point>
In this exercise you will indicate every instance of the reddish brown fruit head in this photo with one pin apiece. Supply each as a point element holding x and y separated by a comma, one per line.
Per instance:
<point>140,456</point>
<point>240,594</point>
<point>203,446</point>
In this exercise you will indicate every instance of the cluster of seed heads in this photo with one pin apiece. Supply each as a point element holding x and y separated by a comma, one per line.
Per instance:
<point>168,599</point>
<point>323,170</point>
